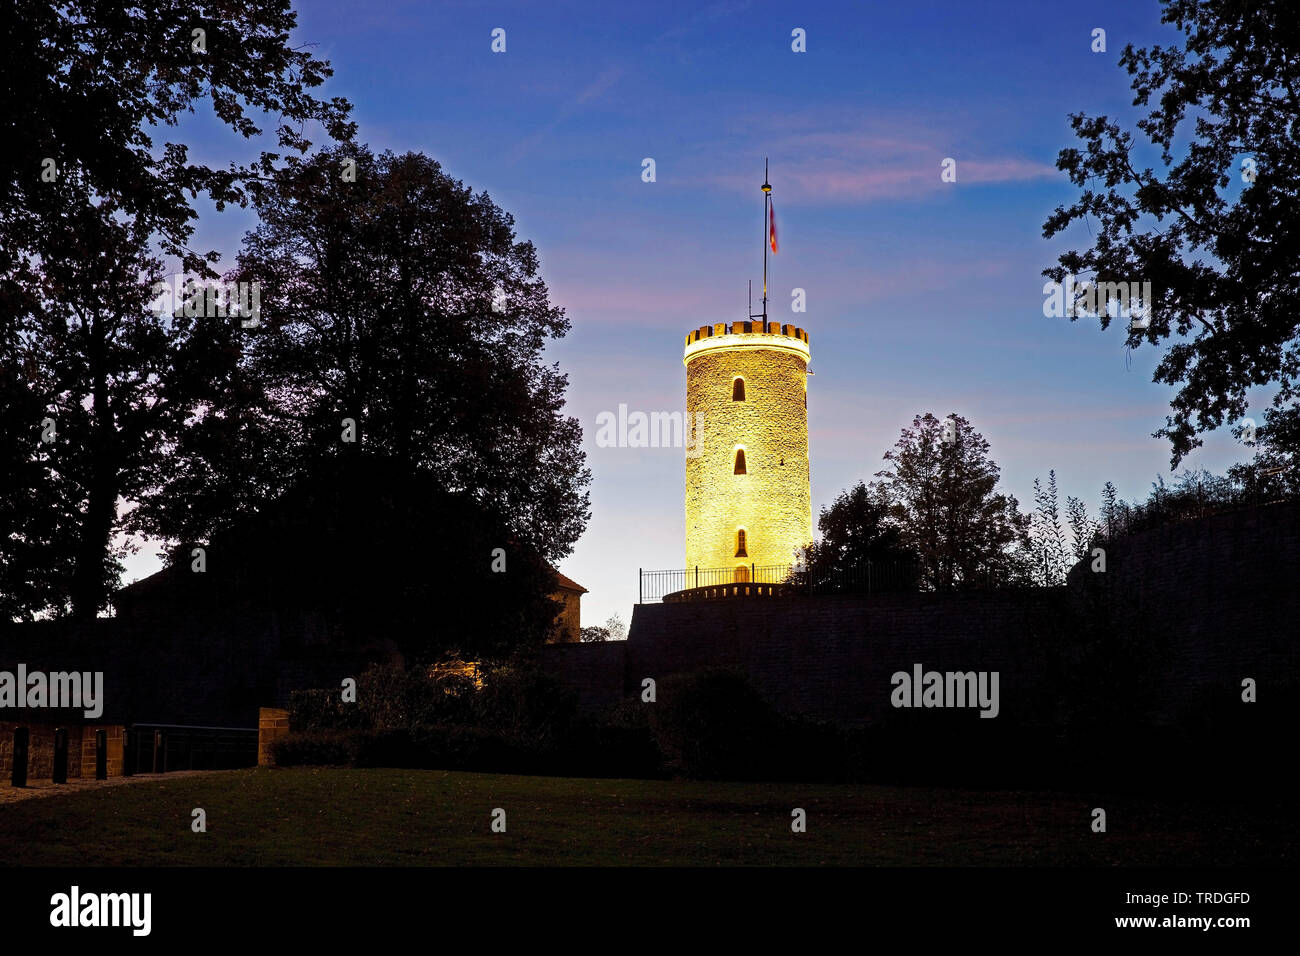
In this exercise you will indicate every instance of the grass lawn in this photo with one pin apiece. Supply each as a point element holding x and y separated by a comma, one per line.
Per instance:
<point>322,816</point>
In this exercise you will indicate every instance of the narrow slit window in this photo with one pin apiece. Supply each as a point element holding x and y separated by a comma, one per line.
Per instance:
<point>738,390</point>
<point>740,544</point>
<point>740,462</point>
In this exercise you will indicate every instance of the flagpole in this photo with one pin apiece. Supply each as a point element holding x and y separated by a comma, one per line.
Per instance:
<point>767,198</point>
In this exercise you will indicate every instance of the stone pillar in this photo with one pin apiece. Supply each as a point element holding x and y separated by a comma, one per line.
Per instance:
<point>272,724</point>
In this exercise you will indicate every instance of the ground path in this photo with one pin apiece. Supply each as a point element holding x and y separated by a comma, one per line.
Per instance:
<point>48,788</point>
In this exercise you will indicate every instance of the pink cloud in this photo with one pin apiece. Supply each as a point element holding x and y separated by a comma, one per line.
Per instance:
<point>818,180</point>
<point>884,158</point>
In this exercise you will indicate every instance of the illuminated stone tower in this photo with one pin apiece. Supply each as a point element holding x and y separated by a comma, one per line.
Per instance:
<point>748,499</point>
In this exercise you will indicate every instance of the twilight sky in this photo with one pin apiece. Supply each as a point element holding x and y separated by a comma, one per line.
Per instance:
<point>921,295</point>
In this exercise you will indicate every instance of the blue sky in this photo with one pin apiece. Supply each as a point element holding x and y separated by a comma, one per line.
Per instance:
<point>921,295</point>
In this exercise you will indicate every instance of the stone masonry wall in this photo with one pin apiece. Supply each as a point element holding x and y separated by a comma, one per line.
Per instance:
<point>833,656</point>
<point>772,500</point>
<point>1198,605</point>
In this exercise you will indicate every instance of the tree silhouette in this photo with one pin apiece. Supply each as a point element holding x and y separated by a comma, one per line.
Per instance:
<point>400,318</point>
<point>1051,561</point>
<point>90,83</point>
<point>1083,529</point>
<point>86,194</point>
<point>941,492</point>
<point>1216,236</point>
<point>858,532</point>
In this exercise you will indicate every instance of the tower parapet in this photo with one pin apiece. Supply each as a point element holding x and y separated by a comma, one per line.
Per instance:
<point>753,334</point>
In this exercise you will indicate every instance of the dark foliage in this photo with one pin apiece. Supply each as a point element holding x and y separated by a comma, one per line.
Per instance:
<point>383,559</point>
<point>932,520</point>
<point>713,724</point>
<point>317,748</point>
<point>400,318</point>
<point>1214,235</point>
<point>89,84</point>
<point>526,705</point>
<point>1193,495</point>
<point>616,743</point>
<point>312,711</point>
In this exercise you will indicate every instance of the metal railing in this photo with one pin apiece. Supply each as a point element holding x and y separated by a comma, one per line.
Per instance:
<point>655,584</point>
<point>158,748</point>
<point>873,577</point>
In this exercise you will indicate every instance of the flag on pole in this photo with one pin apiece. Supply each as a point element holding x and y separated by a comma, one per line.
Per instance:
<point>771,229</point>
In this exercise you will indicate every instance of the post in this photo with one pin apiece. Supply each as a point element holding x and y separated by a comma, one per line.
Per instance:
<point>22,737</point>
<point>60,773</point>
<point>697,575</point>
<point>101,755</point>
<point>640,585</point>
<point>767,195</point>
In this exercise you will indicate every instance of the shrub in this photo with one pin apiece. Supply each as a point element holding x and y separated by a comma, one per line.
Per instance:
<point>390,697</point>
<point>382,696</point>
<point>311,710</point>
<point>532,709</point>
<point>712,724</point>
<point>462,747</point>
<point>443,747</point>
<point>316,748</point>
<point>810,749</point>
<point>386,748</point>
<point>615,743</point>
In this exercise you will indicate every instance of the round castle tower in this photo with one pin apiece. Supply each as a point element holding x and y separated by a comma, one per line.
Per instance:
<point>748,498</point>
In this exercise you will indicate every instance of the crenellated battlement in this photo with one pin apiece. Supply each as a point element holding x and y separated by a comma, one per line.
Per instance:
<point>746,328</point>
<point>747,336</point>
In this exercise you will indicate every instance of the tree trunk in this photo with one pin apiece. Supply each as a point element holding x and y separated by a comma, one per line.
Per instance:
<point>93,536</point>
<point>96,529</point>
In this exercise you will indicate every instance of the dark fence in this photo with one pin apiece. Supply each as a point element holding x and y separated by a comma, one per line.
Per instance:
<point>158,748</point>
<point>873,577</point>
<point>655,585</point>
